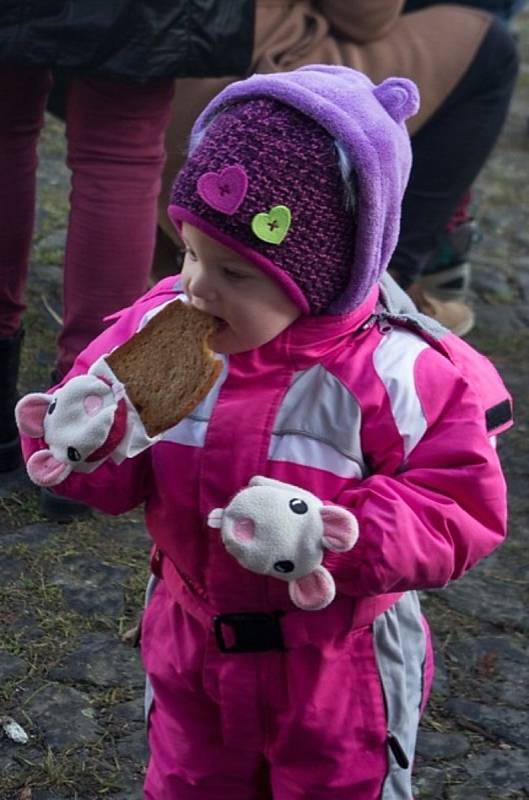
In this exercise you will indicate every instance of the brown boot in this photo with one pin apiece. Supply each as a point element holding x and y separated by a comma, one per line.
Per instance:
<point>455,315</point>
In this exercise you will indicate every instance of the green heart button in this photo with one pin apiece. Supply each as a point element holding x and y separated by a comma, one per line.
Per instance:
<point>272,227</point>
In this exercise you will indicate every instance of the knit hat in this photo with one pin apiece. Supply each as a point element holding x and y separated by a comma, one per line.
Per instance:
<point>263,177</point>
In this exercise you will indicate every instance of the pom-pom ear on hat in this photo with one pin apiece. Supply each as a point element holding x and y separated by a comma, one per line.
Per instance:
<point>399,96</point>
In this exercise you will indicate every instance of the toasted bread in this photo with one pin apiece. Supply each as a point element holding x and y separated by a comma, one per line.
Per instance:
<point>167,368</point>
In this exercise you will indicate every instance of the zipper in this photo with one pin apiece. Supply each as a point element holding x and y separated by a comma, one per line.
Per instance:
<point>398,751</point>
<point>384,326</point>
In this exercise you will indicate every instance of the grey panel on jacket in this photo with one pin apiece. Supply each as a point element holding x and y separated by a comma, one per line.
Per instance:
<point>318,406</point>
<point>400,649</point>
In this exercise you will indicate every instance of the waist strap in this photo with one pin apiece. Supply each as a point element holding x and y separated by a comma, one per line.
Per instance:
<point>298,627</point>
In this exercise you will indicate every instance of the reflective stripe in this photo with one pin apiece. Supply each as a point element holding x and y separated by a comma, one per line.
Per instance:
<point>394,362</point>
<point>303,450</point>
<point>319,424</point>
<point>148,695</point>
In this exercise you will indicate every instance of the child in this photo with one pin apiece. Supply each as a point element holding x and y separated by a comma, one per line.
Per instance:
<point>289,209</point>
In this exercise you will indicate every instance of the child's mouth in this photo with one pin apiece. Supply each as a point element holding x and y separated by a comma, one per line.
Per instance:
<point>221,324</point>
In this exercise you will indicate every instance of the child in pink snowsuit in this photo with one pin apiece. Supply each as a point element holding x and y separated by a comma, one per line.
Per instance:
<point>289,208</point>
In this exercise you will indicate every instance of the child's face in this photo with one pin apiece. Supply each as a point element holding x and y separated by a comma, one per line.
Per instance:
<point>253,308</point>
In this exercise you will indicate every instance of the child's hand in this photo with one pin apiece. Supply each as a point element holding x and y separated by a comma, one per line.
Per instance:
<point>277,529</point>
<point>82,423</point>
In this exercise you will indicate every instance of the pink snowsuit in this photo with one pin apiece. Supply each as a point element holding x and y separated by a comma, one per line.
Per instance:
<point>365,415</point>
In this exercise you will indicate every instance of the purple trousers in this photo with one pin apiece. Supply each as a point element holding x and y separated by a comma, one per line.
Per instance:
<point>115,139</point>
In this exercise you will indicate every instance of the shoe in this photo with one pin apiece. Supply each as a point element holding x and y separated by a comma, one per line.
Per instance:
<point>452,283</point>
<point>57,508</point>
<point>455,315</point>
<point>447,273</point>
<point>10,455</point>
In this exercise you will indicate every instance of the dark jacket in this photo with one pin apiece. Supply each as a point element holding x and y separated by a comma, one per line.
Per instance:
<point>130,39</point>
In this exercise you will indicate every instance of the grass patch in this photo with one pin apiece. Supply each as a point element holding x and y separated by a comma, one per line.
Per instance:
<point>112,697</point>
<point>21,508</point>
<point>66,771</point>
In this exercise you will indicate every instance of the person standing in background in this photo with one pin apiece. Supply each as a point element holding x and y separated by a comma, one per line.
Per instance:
<point>121,60</point>
<point>464,62</point>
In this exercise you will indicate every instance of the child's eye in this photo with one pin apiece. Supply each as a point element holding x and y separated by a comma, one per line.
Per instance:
<point>233,275</point>
<point>188,253</point>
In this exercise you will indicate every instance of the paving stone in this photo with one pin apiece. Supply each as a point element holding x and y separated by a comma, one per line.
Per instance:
<point>130,712</point>
<point>495,775</point>
<point>511,565</point>
<point>502,723</point>
<point>436,746</point>
<point>36,536</point>
<point>428,783</point>
<point>11,569</point>
<point>64,716</point>
<point>21,622</point>
<point>500,666</point>
<point>469,791</point>
<point>101,660</point>
<point>11,666</point>
<point>441,682</point>
<point>10,752</point>
<point>13,482</point>
<point>134,747</point>
<point>134,793</point>
<point>502,325</point>
<point>521,266</point>
<point>516,463</point>
<point>91,586</point>
<point>489,281</point>
<point>131,535</point>
<point>485,598</point>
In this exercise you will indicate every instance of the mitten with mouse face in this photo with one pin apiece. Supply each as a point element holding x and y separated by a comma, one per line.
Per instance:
<point>81,424</point>
<point>276,529</point>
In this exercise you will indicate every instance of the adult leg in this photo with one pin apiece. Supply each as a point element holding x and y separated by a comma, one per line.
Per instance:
<point>23,93</point>
<point>451,148</point>
<point>115,133</point>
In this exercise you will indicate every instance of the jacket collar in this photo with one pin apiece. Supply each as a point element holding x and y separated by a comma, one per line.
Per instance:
<point>308,340</point>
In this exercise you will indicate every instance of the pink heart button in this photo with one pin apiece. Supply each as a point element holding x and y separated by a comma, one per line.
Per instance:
<point>224,191</point>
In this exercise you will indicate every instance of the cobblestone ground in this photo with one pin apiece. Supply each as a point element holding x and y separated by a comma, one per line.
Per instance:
<point>69,592</point>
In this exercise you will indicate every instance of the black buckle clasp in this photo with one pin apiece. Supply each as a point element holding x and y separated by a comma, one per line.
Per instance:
<point>249,632</point>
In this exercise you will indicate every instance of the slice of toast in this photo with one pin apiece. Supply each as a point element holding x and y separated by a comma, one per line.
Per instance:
<point>167,368</point>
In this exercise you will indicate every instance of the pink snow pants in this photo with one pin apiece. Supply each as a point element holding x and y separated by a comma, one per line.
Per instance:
<point>309,723</point>
<point>115,134</point>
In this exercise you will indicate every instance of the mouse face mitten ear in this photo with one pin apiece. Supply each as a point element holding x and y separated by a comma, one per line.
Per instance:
<point>30,412</point>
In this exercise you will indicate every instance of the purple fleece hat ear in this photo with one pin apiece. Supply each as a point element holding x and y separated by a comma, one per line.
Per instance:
<point>367,121</point>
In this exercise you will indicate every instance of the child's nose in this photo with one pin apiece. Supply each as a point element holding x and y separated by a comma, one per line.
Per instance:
<point>201,287</point>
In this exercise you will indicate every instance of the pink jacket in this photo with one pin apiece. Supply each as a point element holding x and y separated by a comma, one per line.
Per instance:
<point>363,415</point>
